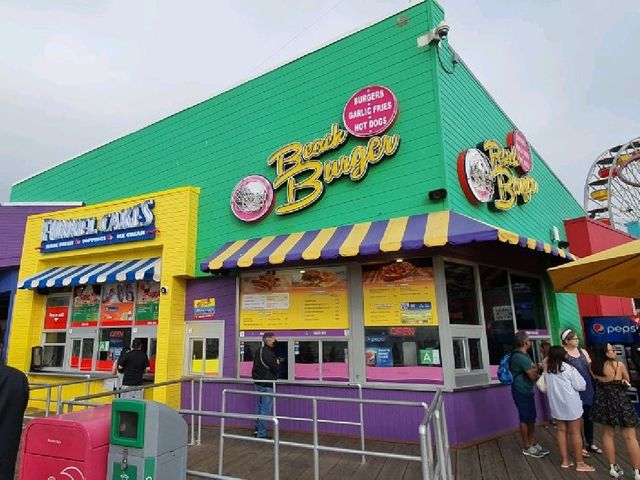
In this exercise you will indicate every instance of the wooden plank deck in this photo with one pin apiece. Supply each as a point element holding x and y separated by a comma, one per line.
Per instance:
<point>500,459</point>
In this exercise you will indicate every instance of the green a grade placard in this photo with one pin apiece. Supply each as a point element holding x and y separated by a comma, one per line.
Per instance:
<point>426,356</point>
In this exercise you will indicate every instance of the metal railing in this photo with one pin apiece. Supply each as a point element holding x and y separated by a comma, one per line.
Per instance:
<point>315,446</point>
<point>48,387</point>
<point>436,465</point>
<point>434,448</point>
<point>85,400</point>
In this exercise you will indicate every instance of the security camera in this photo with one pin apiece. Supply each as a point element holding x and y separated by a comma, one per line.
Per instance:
<point>442,30</point>
<point>164,290</point>
<point>434,36</point>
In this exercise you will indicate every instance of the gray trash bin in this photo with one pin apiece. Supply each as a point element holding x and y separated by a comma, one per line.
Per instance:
<point>147,441</point>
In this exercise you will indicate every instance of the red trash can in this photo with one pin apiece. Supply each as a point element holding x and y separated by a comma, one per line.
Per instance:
<point>72,446</point>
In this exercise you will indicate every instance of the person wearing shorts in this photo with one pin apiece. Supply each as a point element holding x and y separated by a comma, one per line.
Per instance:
<point>525,373</point>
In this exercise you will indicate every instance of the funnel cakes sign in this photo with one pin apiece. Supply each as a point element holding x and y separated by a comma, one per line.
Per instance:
<point>302,173</point>
<point>496,175</point>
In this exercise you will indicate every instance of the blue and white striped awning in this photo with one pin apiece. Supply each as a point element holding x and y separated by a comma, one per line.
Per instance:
<point>121,271</point>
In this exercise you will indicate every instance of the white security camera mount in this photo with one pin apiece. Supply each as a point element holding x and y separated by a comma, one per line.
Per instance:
<point>434,36</point>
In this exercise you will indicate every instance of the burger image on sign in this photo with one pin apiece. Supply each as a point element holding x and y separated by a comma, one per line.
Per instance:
<point>475,176</point>
<point>370,111</point>
<point>252,198</point>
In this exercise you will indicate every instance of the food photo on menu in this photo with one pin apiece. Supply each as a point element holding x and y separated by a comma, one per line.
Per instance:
<point>397,272</point>
<point>86,295</point>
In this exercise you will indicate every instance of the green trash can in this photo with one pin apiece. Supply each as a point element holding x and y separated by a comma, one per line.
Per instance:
<point>147,441</point>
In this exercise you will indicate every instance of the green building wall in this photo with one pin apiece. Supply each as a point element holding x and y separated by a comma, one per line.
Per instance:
<point>216,143</point>
<point>469,116</point>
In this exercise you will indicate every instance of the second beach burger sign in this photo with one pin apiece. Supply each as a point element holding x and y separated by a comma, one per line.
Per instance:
<point>369,113</point>
<point>496,175</point>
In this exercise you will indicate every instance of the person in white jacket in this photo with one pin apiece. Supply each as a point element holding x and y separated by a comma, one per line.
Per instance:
<point>563,384</point>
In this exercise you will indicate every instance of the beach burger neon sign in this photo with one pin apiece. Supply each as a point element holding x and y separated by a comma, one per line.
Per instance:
<point>299,171</point>
<point>496,175</point>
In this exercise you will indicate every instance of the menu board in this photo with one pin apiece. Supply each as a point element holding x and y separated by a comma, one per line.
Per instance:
<point>399,294</point>
<point>307,299</point>
<point>148,303</point>
<point>117,303</point>
<point>86,306</point>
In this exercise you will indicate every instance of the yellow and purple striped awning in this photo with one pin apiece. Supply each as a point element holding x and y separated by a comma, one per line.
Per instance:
<point>368,238</point>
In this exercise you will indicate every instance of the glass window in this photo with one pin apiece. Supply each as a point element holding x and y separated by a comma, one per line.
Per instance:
<point>461,294</point>
<point>211,354</point>
<point>335,361</point>
<point>55,337</point>
<point>498,312</point>
<point>307,355</point>
<point>529,308</point>
<point>112,342</point>
<point>248,351</point>
<point>53,355</point>
<point>403,354</point>
<point>53,348</point>
<point>475,354</point>
<point>402,341</point>
<point>458,354</point>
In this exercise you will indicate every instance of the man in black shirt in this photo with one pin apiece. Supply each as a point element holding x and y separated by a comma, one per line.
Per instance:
<point>265,367</point>
<point>14,395</point>
<point>133,365</point>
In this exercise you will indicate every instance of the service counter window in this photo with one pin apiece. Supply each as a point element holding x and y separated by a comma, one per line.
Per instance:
<point>53,349</point>
<point>205,356</point>
<point>54,337</point>
<point>249,351</point>
<point>326,360</point>
<point>112,342</point>
<point>402,340</point>
<point>100,320</point>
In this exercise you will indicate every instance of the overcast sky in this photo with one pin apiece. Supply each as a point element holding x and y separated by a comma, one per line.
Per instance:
<point>77,74</point>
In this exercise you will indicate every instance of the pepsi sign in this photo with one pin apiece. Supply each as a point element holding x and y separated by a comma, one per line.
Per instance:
<point>624,330</point>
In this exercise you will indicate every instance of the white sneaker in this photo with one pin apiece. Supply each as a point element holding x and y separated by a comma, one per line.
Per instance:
<point>636,474</point>
<point>616,472</point>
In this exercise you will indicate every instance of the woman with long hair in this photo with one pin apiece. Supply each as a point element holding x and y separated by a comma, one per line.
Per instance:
<point>612,408</point>
<point>563,384</point>
<point>579,359</point>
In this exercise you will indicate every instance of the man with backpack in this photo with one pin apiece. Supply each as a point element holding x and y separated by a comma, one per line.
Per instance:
<point>525,373</point>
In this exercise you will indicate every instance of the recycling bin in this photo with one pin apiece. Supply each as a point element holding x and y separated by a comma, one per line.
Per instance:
<point>148,441</point>
<point>69,446</point>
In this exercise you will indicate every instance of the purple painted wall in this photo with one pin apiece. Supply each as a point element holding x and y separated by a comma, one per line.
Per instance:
<point>223,289</point>
<point>13,220</point>
<point>473,415</point>
<point>8,283</point>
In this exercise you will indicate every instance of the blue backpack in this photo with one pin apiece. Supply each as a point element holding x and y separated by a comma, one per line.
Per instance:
<point>504,370</point>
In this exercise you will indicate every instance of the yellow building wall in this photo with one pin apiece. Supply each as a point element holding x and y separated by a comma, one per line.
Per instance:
<point>176,219</point>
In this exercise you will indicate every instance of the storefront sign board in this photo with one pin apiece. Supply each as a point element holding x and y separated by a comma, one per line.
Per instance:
<point>128,225</point>
<point>496,175</point>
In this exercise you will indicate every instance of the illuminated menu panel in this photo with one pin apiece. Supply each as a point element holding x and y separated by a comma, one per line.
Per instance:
<point>309,299</point>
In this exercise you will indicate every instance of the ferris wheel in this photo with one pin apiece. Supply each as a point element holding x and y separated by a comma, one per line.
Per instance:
<point>612,188</point>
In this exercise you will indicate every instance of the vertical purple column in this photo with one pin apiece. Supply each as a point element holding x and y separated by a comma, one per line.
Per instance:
<point>223,289</point>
